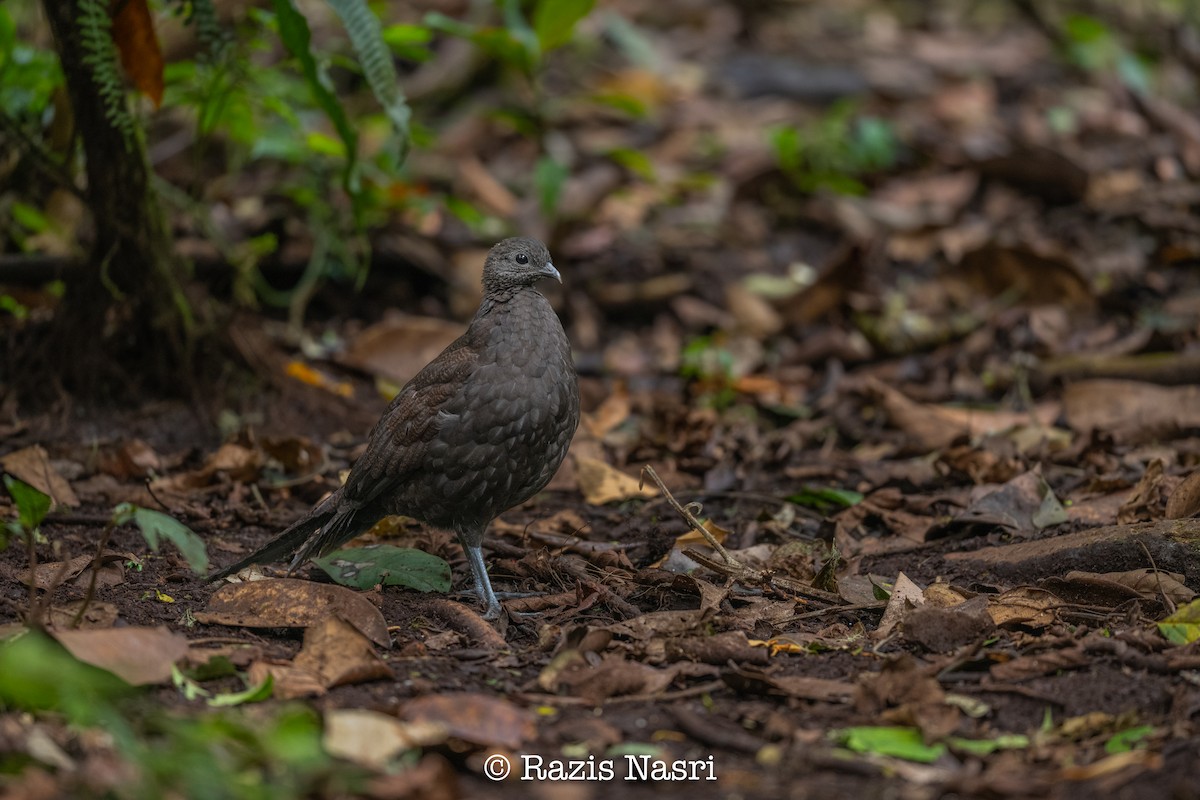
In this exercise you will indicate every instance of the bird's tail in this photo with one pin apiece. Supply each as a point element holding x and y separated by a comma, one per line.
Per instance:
<point>300,538</point>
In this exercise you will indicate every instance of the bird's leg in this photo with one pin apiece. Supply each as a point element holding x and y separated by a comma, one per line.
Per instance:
<point>483,584</point>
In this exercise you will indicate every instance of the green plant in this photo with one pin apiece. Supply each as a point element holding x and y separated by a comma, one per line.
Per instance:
<point>32,507</point>
<point>160,754</point>
<point>28,75</point>
<point>520,42</point>
<point>1094,47</point>
<point>835,151</point>
<point>710,365</point>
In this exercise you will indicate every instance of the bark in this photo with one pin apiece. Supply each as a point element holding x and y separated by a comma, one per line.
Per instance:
<point>124,320</point>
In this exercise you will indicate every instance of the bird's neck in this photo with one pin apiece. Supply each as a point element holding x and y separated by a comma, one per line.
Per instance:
<point>507,297</point>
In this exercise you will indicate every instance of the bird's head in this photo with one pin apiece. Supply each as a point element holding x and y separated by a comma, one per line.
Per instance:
<point>517,262</point>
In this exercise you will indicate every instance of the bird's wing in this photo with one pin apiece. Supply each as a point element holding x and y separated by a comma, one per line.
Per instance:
<point>397,446</point>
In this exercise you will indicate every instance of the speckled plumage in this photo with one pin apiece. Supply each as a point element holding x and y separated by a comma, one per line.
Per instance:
<point>482,428</point>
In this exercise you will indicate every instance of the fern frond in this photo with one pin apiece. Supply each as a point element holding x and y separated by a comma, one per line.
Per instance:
<point>366,36</point>
<point>100,55</point>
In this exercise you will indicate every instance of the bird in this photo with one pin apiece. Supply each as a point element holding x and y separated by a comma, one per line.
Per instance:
<point>480,429</point>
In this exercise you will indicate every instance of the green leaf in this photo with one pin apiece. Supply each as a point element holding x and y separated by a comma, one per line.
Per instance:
<point>1182,627</point>
<point>894,741</point>
<point>554,20</point>
<point>985,747</point>
<point>156,526</point>
<point>294,31</point>
<point>32,505</point>
<point>364,567</point>
<point>548,178</point>
<point>37,673</point>
<point>254,694</point>
<point>1129,739</point>
<point>635,161</point>
<point>826,499</point>
<point>186,686</point>
<point>520,32</point>
<point>409,41</point>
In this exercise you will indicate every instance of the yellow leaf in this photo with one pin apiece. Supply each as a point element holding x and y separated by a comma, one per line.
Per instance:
<point>602,484</point>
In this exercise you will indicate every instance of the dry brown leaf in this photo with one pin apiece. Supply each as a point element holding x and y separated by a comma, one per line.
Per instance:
<point>139,656</point>
<point>1037,278</point>
<point>1025,607</point>
<point>612,412</point>
<point>1131,411</point>
<point>371,739</point>
<point>613,676</point>
<point>1144,504</point>
<point>137,43</point>
<point>602,484</point>
<point>932,427</point>
<point>476,718</point>
<point>906,596</point>
<point>32,465</point>
<point>753,315</point>
<point>1184,502</point>
<point>132,459</point>
<point>288,682</point>
<point>292,603</point>
<point>942,629</point>
<point>1033,666</point>
<point>482,185</point>
<point>97,615</point>
<point>397,347</point>
<point>55,572</point>
<point>1111,589</point>
<point>337,653</point>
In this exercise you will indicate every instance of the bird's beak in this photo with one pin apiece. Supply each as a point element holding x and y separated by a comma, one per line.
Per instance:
<point>550,272</point>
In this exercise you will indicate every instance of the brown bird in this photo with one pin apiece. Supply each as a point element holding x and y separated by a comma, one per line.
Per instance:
<point>482,428</point>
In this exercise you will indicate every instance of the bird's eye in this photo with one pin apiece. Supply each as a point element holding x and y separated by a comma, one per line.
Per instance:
<point>522,258</point>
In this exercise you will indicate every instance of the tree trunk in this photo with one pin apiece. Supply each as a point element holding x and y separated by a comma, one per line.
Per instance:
<point>124,323</point>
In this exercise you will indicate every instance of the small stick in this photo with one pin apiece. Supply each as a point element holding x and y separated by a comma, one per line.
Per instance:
<point>690,518</point>
<point>91,590</point>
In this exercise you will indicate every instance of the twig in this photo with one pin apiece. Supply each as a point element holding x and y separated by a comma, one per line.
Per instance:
<point>38,606</point>
<point>1168,603</point>
<point>732,568</point>
<point>154,497</point>
<point>820,612</point>
<point>571,700</point>
<point>91,590</point>
<point>690,518</point>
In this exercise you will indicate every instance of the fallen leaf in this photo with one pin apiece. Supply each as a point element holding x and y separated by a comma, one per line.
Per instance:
<point>612,412</point>
<point>1184,502</point>
<point>906,596</point>
<point>371,739</point>
<point>397,347</point>
<point>293,603</point>
<point>289,682</point>
<point>1182,627</point>
<point>1146,501</point>
<point>476,718</point>
<point>313,377</point>
<point>602,484</point>
<point>56,572</point>
<point>338,654</point>
<point>139,656</point>
<point>32,465</point>
<point>1131,411</point>
<point>1024,607</point>
<point>613,676</point>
